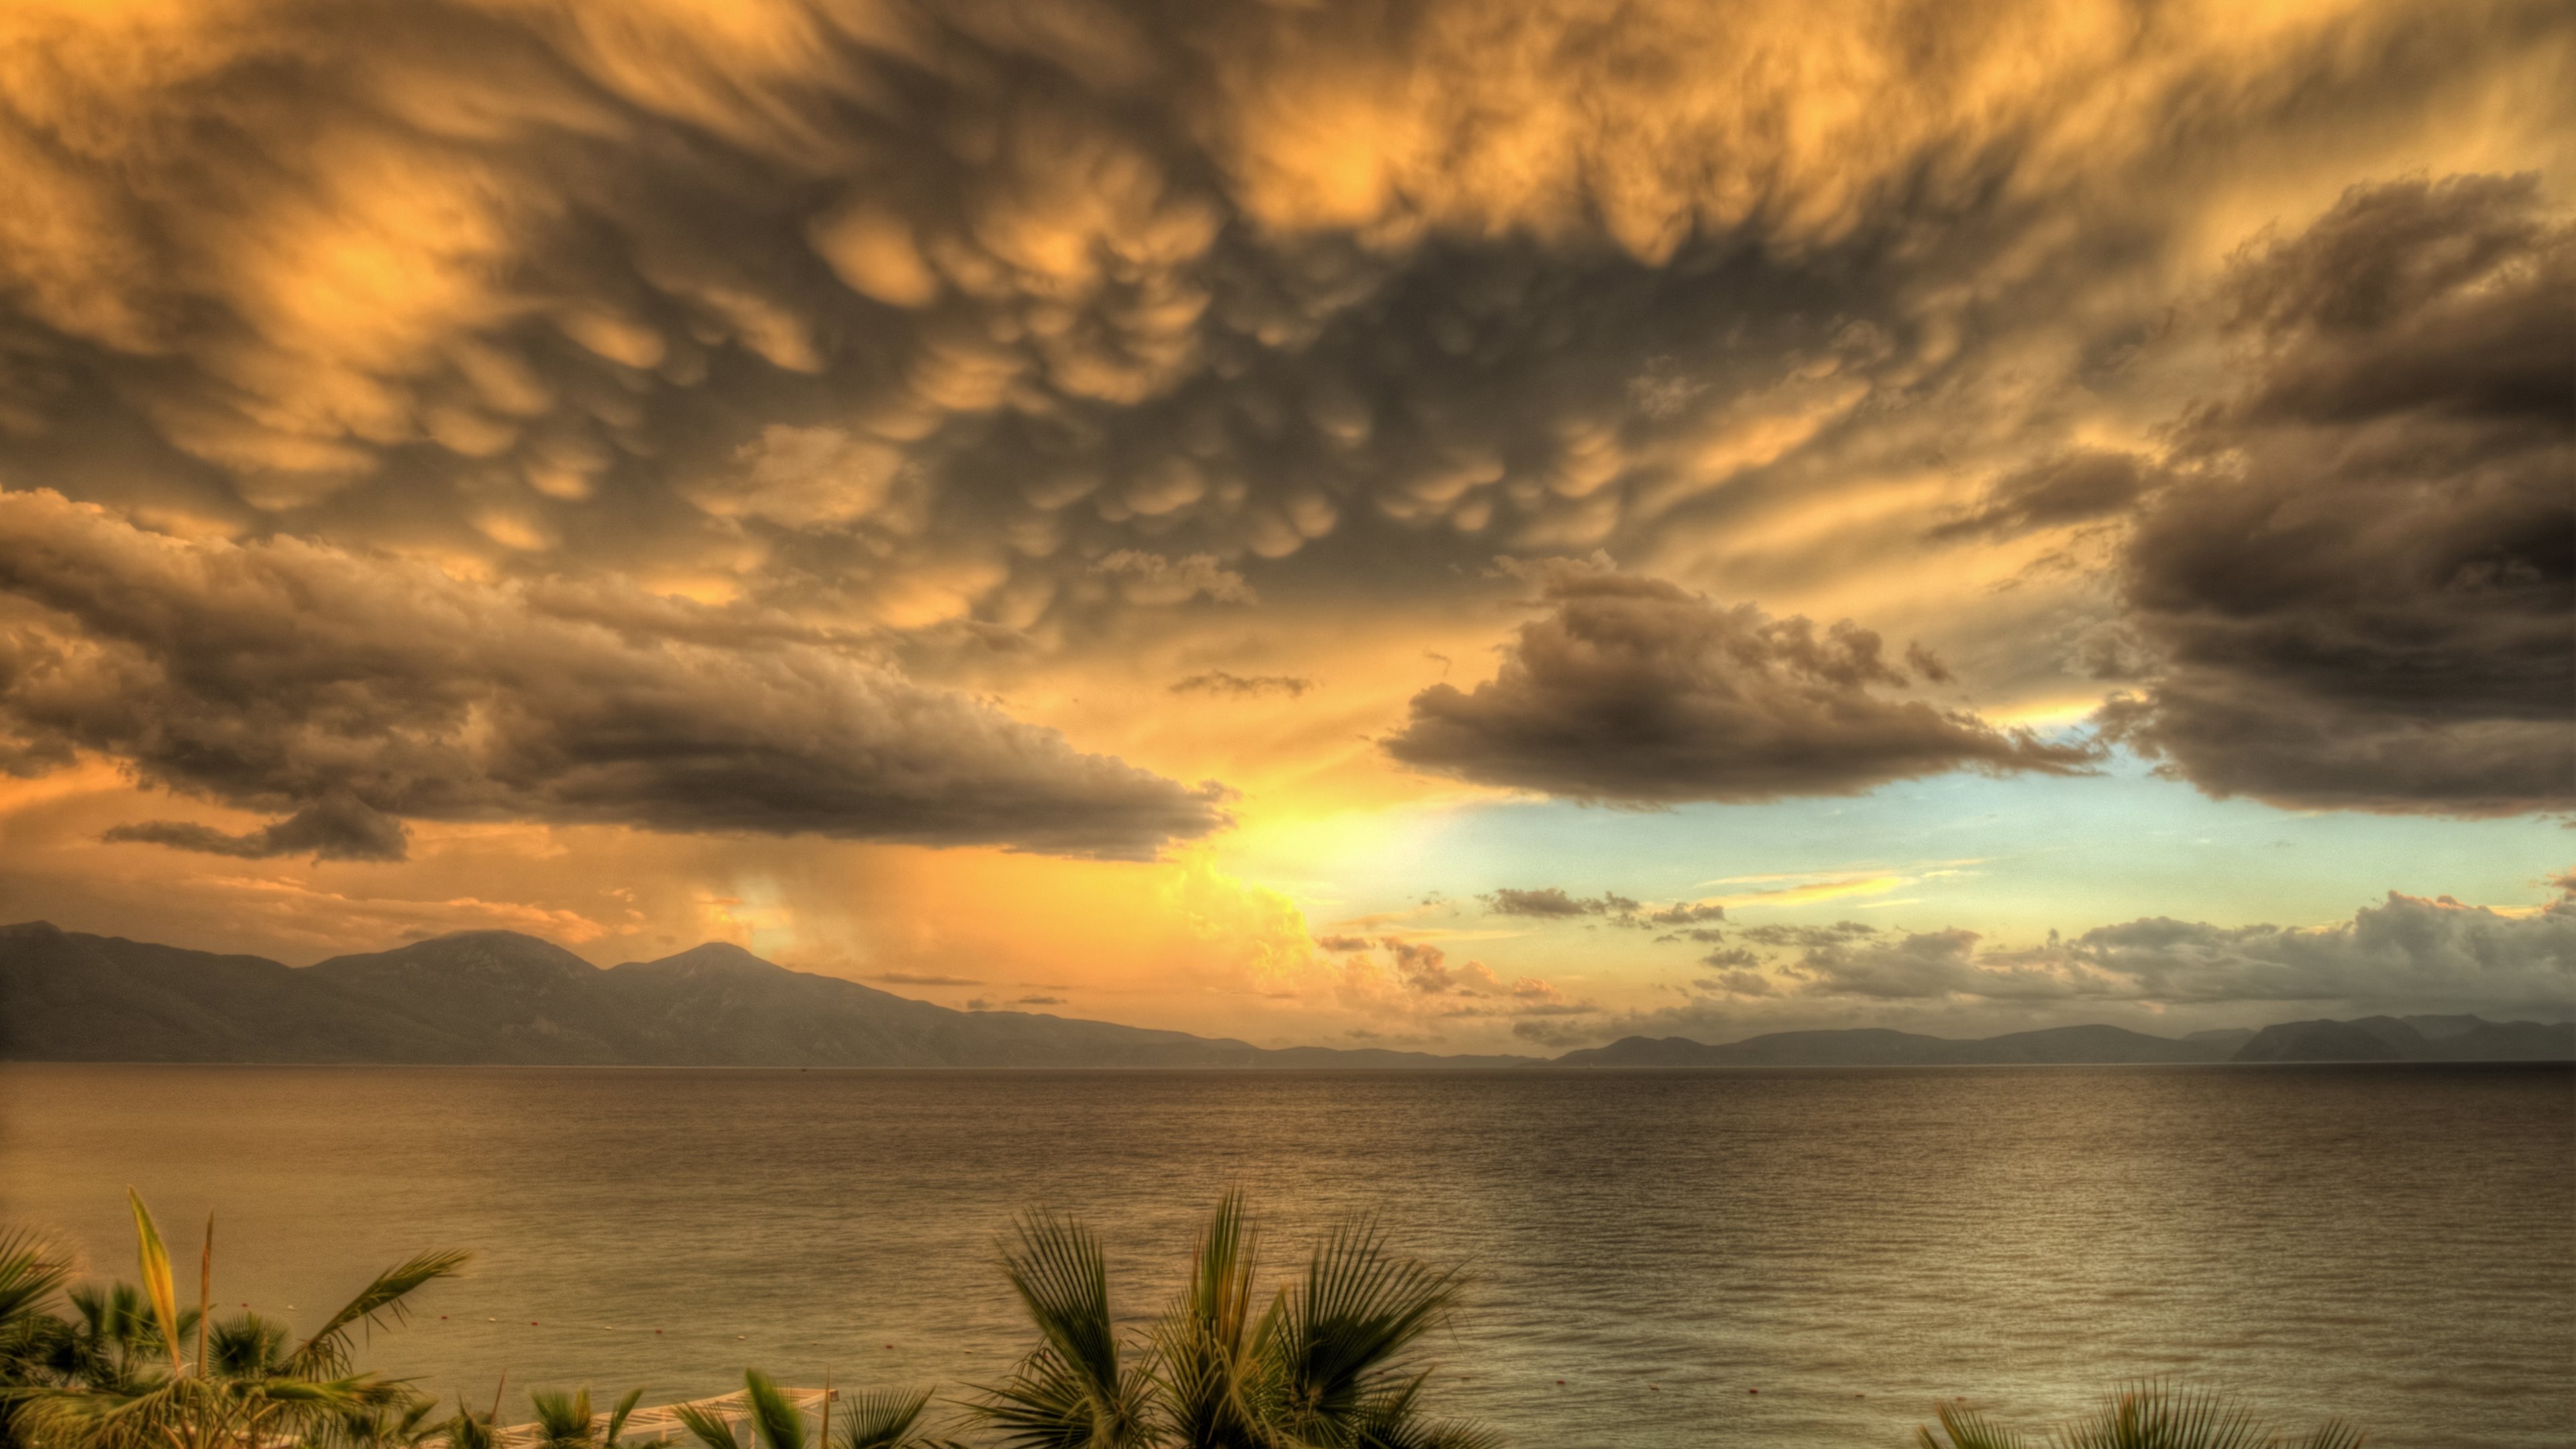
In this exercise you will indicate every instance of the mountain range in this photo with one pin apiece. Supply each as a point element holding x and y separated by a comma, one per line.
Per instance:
<point>500,997</point>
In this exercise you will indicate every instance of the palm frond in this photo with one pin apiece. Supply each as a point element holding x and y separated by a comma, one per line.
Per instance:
<point>2333,1434</point>
<point>327,1351</point>
<point>156,1275</point>
<point>469,1430</point>
<point>885,1419</point>
<point>1063,1280</point>
<point>712,1430</point>
<point>1211,1385</point>
<point>1966,1429</point>
<point>1345,1332</point>
<point>618,1416</point>
<point>563,1419</point>
<point>775,1423</point>
<point>1073,1391</point>
<point>2152,1414</point>
<point>32,1271</point>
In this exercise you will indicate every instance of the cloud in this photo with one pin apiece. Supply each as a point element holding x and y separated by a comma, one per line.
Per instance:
<point>2074,487</point>
<point>1150,578</point>
<point>915,978</point>
<point>337,827</point>
<point>1037,1001</point>
<point>1342,944</point>
<point>1548,902</point>
<point>1239,686</point>
<point>1635,691</point>
<point>2407,954</point>
<point>1471,988</point>
<point>347,689</point>
<point>1810,937</point>
<point>2359,589</point>
<point>1553,903</point>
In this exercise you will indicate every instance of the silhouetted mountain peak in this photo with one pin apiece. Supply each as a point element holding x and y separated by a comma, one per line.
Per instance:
<point>488,955</point>
<point>706,957</point>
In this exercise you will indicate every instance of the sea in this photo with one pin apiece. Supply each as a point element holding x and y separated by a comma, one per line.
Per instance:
<point>1726,1257</point>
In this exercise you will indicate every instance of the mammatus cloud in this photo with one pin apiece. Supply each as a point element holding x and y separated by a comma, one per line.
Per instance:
<point>294,676</point>
<point>1635,691</point>
<point>2361,577</point>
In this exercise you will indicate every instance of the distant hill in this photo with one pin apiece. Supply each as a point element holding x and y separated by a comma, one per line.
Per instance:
<point>2412,1039</point>
<point>2371,1039</point>
<point>502,997</point>
<point>1877,1047</point>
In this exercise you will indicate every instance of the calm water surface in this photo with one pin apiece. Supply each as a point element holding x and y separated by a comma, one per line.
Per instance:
<point>2397,1243</point>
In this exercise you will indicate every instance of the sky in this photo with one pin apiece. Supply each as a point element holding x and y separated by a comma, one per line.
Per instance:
<point>1458,525</point>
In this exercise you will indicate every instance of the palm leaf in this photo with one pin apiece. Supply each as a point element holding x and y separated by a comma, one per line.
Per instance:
<point>31,1273</point>
<point>1072,1391</point>
<point>563,1419</point>
<point>1967,1429</point>
<point>469,1430</point>
<point>775,1423</point>
<point>710,1429</point>
<point>327,1351</point>
<point>883,1420</point>
<point>1345,1332</point>
<point>1209,1381</point>
<point>2155,1415</point>
<point>156,1276</point>
<point>618,1416</point>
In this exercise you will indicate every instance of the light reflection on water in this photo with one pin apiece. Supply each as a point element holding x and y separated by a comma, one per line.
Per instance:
<point>2397,1244</point>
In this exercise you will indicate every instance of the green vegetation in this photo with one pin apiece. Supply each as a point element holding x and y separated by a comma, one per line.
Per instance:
<point>132,1370</point>
<point>1330,1359</point>
<point>2149,1415</point>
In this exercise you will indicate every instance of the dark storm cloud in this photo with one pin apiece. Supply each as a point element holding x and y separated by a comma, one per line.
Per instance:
<point>2074,487</point>
<point>919,311</point>
<point>2361,588</point>
<point>1635,691</point>
<point>293,676</point>
<point>337,827</point>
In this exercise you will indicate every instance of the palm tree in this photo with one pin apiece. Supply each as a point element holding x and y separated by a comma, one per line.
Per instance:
<point>248,1380</point>
<point>1328,1364</point>
<point>2146,1415</point>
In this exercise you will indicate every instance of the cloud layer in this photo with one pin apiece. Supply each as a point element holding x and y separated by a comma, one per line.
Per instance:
<point>293,676</point>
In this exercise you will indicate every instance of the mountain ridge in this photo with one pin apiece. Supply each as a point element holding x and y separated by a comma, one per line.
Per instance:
<point>504,997</point>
